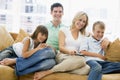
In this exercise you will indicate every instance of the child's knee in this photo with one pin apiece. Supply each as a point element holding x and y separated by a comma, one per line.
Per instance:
<point>97,68</point>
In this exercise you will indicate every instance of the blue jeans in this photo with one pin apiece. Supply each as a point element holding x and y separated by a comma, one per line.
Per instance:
<point>39,61</point>
<point>101,67</point>
<point>7,53</point>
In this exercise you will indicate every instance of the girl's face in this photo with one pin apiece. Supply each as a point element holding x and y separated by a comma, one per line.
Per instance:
<point>81,22</point>
<point>41,37</point>
<point>57,13</point>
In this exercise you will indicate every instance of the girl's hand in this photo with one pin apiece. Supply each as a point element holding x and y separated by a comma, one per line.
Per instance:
<point>42,45</point>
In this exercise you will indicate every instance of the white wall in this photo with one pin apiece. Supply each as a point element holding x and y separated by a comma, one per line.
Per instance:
<point>105,10</point>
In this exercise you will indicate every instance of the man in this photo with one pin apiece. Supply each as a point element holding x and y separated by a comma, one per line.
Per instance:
<point>53,29</point>
<point>54,25</point>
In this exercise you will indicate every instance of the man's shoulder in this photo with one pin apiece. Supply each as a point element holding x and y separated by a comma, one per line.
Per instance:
<point>63,25</point>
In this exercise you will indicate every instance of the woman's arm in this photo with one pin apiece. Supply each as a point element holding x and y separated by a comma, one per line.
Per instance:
<point>61,39</point>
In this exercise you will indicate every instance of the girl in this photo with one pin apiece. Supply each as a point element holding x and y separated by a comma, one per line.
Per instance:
<point>15,49</point>
<point>36,54</point>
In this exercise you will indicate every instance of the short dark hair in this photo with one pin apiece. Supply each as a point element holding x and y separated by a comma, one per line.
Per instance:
<point>56,5</point>
<point>40,29</point>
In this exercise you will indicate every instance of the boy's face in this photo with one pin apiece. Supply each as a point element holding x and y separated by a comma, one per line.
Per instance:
<point>57,13</point>
<point>98,33</point>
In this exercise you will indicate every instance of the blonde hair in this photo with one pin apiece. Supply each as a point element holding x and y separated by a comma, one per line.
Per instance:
<point>76,17</point>
<point>100,23</point>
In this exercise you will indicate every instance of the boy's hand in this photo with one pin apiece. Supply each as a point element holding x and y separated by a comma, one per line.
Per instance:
<point>104,44</point>
<point>102,57</point>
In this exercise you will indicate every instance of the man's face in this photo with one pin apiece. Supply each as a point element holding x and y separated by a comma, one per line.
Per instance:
<point>98,33</point>
<point>57,13</point>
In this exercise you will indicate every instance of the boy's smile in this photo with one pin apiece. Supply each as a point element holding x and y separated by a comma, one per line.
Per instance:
<point>98,33</point>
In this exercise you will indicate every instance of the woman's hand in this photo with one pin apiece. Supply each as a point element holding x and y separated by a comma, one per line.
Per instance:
<point>72,52</point>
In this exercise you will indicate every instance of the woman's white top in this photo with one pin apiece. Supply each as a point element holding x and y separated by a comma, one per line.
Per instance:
<point>70,42</point>
<point>17,47</point>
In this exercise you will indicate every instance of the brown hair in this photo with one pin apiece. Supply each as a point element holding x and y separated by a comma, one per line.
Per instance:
<point>76,17</point>
<point>40,29</point>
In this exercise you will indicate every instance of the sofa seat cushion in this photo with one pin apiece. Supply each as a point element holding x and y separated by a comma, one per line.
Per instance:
<point>56,76</point>
<point>111,76</point>
<point>67,76</point>
<point>7,73</point>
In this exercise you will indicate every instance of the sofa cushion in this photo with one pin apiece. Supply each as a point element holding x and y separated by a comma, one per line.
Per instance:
<point>7,73</point>
<point>21,35</point>
<point>56,76</point>
<point>5,38</point>
<point>14,35</point>
<point>113,51</point>
<point>68,76</point>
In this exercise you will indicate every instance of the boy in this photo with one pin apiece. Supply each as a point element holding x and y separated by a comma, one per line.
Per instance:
<point>94,54</point>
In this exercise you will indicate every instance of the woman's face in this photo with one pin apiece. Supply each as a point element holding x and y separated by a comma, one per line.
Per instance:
<point>81,22</point>
<point>41,37</point>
